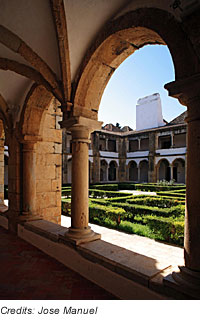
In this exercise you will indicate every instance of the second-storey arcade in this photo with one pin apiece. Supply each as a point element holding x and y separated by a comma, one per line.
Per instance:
<point>154,152</point>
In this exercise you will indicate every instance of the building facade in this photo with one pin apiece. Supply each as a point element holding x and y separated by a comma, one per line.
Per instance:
<point>156,151</point>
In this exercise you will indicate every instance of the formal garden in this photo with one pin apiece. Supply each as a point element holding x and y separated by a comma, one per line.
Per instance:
<point>158,215</point>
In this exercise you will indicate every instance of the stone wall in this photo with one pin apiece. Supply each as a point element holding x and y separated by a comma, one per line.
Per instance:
<point>2,138</point>
<point>48,167</point>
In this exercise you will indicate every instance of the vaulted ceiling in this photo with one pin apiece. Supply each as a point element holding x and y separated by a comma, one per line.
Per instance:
<point>45,41</point>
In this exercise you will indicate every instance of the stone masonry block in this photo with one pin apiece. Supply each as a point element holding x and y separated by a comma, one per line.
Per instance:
<point>45,147</point>
<point>50,121</point>
<point>56,185</point>
<point>43,185</point>
<point>45,172</point>
<point>52,135</point>
<point>46,200</point>
<point>58,148</point>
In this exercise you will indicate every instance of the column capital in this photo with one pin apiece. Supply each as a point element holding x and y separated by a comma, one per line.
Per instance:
<point>81,127</point>
<point>185,90</point>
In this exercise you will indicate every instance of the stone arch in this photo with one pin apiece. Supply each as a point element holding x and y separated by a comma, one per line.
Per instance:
<point>144,167</point>
<point>179,170</point>
<point>5,129</point>
<point>103,170</point>
<point>33,112</point>
<point>122,37</point>
<point>34,170</point>
<point>112,171</point>
<point>133,171</point>
<point>163,170</point>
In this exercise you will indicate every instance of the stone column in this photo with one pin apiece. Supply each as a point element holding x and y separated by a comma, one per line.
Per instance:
<point>29,178</point>
<point>192,219</point>
<point>188,280</point>
<point>2,170</point>
<point>152,152</point>
<point>106,149</point>
<point>138,173</point>
<point>171,172</point>
<point>172,139</point>
<point>81,129</point>
<point>107,173</point>
<point>139,144</point>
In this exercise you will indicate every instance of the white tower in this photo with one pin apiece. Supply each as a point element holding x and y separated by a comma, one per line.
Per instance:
<point>149,112</point>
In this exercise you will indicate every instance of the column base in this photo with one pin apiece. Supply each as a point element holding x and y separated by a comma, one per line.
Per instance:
<point>79,236</point>
<point>14,218</point>
<point>185,282</point>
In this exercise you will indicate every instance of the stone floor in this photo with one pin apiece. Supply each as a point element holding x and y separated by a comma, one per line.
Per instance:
<point>27,273</point>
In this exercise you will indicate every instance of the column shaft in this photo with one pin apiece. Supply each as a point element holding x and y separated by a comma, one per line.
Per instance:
<point>79,206</point>
<point>29,178</point>
<point>192,218</point>
<point>81,129</point>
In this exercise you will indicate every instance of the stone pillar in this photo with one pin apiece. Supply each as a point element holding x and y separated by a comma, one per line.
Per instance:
<point>152,151</point>
<point>106,149</point>
<point>96,158</point>
<point>188,280</point>
<point>29,178</point>
<point>2,170</point>
<point>192,219</point>
<point>172,139</point>
<point>81,129</point>
<point>138,173</point>
<point>171,172</point>
<point>139,144</point>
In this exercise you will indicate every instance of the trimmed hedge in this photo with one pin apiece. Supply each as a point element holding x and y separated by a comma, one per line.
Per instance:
<point>108,187</point>
<point>99,193</point>
<point>102,212</point>
<point>107,194</point>
<point>132,210</point>
<point>155,201</point>
<point>171,194</point>
<point>137,186</point>
<point>167,229</point>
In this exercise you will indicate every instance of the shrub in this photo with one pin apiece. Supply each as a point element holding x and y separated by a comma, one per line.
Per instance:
<point>154,201</point>
<point>167,229</point>
<point>66,193</point>
<point>106,194</point>
<point>108,187</point>
<point>135,209</point>
<point>171,194</point>
<point>66,207</point>
<point>102,212</point>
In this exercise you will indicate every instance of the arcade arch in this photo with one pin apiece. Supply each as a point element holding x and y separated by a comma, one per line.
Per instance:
<point>112,171</point>
<point>163,170</point>
<point>179,170</point>
<point>143,171</point>
<point>133,171</point>
<point>103,170</point>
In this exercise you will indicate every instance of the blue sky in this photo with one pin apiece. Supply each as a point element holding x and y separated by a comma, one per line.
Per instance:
<point>143,73</point>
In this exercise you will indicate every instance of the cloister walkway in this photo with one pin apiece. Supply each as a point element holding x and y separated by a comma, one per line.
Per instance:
<point>27,273</point>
